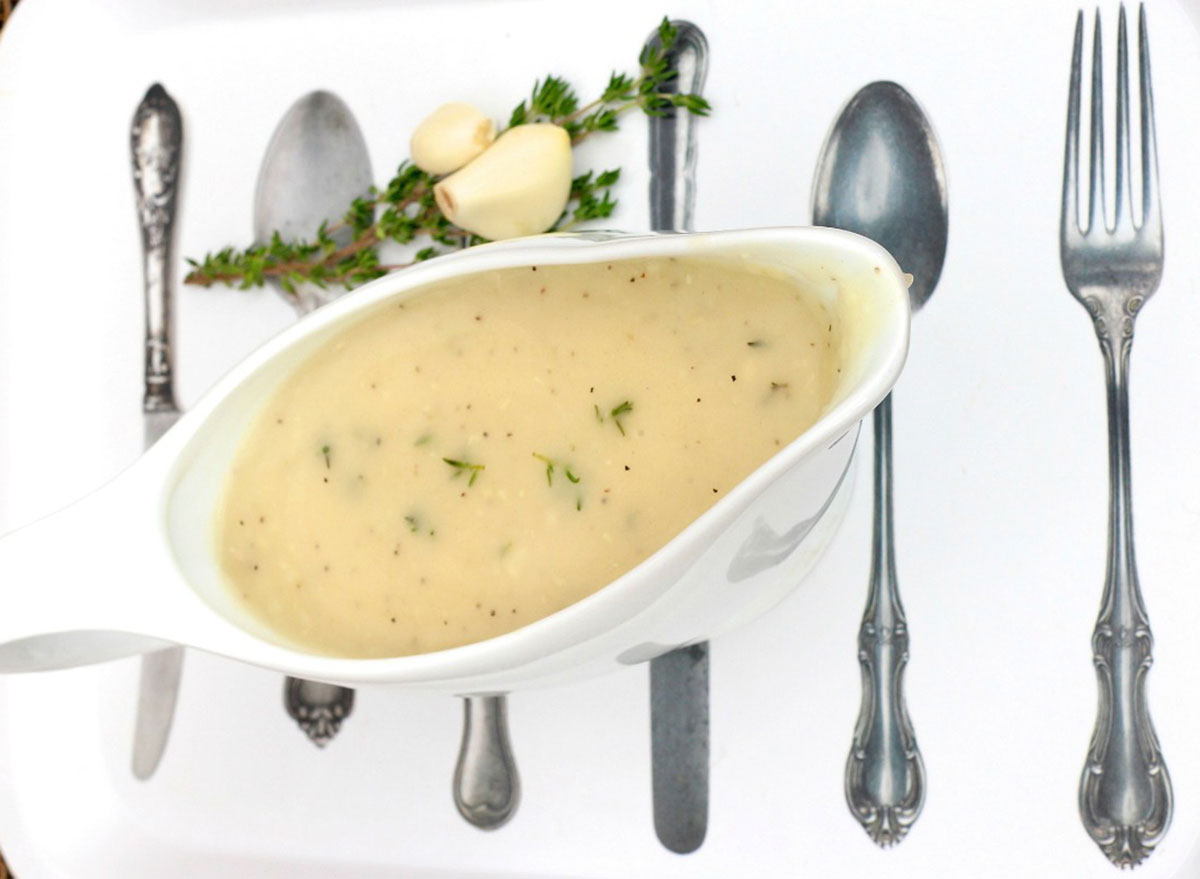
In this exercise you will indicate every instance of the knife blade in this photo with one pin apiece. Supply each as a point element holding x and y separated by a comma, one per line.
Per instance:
<point>156,145</point>
<point>679,717</point>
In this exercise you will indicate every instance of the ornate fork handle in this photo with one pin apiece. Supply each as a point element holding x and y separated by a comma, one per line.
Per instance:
<point>1125,796</point>
<point>885,776</point>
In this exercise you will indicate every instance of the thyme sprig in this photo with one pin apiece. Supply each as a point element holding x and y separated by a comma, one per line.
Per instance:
<point>554,100</point>
<point>404,211</point>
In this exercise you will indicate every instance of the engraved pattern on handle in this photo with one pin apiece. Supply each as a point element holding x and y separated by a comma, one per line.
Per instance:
<point>156,148</point>
<point>156,142</point>
<point>318,708</point>
<point>487,787</point>
<point>1125,797</point>
<point>885,776</point>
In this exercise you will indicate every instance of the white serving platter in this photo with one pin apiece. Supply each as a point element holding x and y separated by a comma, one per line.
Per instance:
<point>999,440</point>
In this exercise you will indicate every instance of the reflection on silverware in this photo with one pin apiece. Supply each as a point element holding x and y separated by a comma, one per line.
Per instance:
<point>315,165</point>
<point>1125,797</point>
<point>880,174</point>
<point>679,721</point>
<point>317,708</point>
<point>156,144</point>
<point>487,787</point>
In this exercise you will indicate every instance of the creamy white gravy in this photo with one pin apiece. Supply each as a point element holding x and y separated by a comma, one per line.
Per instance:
<point>493,449</point>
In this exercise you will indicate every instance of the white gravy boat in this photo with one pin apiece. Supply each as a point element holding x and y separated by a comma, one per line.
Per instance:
<point>133,567</point>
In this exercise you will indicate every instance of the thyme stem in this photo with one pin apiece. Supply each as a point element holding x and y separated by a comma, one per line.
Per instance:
<point>405,211</point>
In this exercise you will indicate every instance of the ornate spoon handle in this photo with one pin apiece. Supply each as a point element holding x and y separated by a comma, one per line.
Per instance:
<point>318,708</point>
<point>885,778</point>
<point>1125,796</point>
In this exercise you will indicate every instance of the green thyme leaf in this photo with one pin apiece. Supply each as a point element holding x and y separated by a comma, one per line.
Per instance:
<point>461,467</point>
<point>617,412</point>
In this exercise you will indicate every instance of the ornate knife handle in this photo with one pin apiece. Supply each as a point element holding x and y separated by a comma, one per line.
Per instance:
<point>156,141</point>
<point>885,776</point>
<point>487,787</point>
<point>1125,797</point>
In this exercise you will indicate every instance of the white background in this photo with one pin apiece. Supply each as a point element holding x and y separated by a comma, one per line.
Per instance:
<point>999,440</point>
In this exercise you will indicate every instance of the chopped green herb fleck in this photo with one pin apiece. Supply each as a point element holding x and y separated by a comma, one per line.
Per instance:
<point>756,343</point>
<point>549,467</point>
<point>413,524</point>
<point>618,412</point>
<point>571,476</point>
<point>325,453</point>
<point>423,439</point>
<point>461,467</point>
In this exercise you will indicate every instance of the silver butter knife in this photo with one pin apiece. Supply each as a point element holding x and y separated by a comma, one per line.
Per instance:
<point>679,680</point>
<point>156,143</point>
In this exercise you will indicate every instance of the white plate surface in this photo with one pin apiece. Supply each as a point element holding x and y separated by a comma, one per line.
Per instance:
<point>1000,451</point>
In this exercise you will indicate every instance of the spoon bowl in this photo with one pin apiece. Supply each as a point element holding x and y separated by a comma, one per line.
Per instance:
<point>134,567</point>
<point>880,174</point>
<point>315,164</point>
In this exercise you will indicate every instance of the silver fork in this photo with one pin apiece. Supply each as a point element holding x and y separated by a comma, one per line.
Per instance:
<point>1125,797</point>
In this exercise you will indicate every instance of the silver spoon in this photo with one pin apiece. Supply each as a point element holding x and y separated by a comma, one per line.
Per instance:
<point>880,174</point>
<point>315,165</point>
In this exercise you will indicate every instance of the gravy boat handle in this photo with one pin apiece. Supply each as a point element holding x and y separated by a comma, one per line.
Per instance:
<point>92,582</point>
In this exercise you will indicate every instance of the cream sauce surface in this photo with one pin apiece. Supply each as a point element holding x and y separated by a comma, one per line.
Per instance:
<point>493,449</point>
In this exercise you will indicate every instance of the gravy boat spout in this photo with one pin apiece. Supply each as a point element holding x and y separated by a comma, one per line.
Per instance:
<point>134,566</point>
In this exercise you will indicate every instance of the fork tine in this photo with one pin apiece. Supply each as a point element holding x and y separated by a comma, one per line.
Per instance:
<point>1121,215</point>
<point>1070,205</point>
<point>1096,152</point>
<point>1151,208</point>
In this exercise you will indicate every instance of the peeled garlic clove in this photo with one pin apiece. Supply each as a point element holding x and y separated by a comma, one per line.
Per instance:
<point>517,186</point>
<point>449,137</point>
